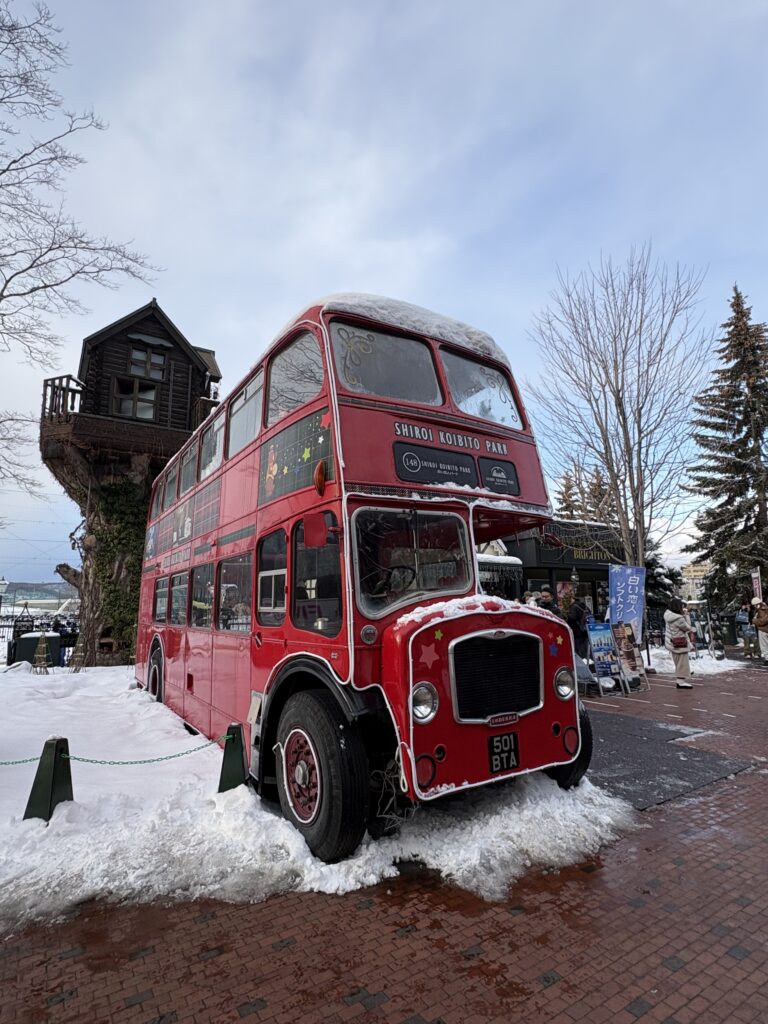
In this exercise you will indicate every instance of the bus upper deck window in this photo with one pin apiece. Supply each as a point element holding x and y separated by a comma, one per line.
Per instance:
<point>480,390</point>
<point>245,414</point>
<point>371,363</point>
<point>212,447</point>
<point>188,467</point>
<point>295,376</point>
<point>170,485</point>
<point>157,500</point>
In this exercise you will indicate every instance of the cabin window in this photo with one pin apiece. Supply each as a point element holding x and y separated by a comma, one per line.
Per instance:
<point>480,390</point>
<point>201,605</point>
<point>234,604</point>
<point>371,363</point>
<point>188,467</point>
<point>295,377</point>
<point>146,363</point>
<point>170,486</point>
<point>245,414</point>
<point>212,448</point>
<point>273,569</point>
<point>316,576</point>
<point>161,599</point>
<point>134,398</point>
<point>178,600</point>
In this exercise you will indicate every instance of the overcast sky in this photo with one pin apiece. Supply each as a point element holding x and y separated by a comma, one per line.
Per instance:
<point>446,153</point>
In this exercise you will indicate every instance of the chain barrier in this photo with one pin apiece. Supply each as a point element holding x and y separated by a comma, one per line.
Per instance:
<point>145,760</point>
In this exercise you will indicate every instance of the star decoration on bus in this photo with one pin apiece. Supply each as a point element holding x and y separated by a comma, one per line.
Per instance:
<point>306,454</point>
<point>325,419</point>
<point>321,438</point>
<point>285,470</point>
<point>553,649</point>
<point>438,634</point>
<point>559,639</point>
<point>429,656</point>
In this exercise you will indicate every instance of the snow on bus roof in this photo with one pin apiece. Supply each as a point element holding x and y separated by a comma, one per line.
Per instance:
<point>408,317</point>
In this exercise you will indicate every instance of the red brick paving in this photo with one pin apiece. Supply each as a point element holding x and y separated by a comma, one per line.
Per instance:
<point>668,925</point>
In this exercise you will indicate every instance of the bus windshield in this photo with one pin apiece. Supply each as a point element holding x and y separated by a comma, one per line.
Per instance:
<point>371,363</point>
<point>402,555</point>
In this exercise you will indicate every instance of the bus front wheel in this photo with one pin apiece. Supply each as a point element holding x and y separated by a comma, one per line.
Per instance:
<point>569,775</point>
<point>155,675</point>
<point>322,776</point>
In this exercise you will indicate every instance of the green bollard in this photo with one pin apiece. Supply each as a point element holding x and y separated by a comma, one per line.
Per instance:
<point>53,780</point>
<point>234,769</point>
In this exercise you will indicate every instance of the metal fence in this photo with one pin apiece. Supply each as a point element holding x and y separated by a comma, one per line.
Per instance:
<point>14,626</point>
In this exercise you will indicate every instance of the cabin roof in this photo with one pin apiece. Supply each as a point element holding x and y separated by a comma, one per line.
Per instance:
<point>204,358</point>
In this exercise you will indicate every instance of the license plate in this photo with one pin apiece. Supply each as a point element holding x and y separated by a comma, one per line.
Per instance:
<point>502,752</point>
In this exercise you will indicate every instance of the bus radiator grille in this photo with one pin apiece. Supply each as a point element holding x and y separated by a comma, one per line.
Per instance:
<point>496,676</point>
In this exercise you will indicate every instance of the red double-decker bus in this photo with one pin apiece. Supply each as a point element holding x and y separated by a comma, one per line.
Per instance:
<point>311,572</point>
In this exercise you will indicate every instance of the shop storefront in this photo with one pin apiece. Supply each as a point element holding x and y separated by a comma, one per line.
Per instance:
<point>570,557</point>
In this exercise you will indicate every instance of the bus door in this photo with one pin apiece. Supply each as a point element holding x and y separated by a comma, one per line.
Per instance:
<point>269,642</point>
<point>174,643</point>
<point>316,584</point>
<point>197,669</point>
<point>232,642</point>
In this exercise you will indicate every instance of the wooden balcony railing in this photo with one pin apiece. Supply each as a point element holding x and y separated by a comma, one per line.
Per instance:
<point>61,397</point>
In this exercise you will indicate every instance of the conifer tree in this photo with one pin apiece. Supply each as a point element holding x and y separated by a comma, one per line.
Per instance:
<point>731,430</point>
<point>599,504</point>
<point>567,501</point>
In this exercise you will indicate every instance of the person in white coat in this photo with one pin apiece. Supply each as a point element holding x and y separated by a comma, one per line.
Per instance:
<point>677,627</point>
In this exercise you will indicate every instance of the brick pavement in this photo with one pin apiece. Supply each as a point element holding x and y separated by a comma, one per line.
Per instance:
<point>670,924</point>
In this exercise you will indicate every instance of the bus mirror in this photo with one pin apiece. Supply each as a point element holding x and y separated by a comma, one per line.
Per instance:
<point>315,530</point>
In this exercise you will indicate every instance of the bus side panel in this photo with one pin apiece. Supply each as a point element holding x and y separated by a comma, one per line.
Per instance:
<point>240,488</point>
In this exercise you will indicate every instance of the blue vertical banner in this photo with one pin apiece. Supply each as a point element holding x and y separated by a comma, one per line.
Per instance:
<point>626,596</point>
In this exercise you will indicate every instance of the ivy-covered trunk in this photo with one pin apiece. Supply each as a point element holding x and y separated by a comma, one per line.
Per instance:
<point>111,542</point>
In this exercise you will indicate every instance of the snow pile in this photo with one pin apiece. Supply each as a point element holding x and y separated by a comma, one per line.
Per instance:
<point>703,665</point>
<point>160,831</point>
<point>474,603</point>
<point>415,318</point>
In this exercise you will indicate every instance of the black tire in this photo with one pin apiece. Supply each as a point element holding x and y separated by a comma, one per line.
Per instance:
<point>322,775</point>
<point>155,675</point>
<point>569,775</point>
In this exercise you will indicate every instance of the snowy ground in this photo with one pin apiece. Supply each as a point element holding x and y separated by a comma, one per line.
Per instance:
<point>702,663</point>
<point>161,831</point>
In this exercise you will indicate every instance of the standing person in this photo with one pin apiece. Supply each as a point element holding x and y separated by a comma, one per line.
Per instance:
<point>577,620</point>
<point>760,622</point>
<point>677,628</point>
<point>547,601</point>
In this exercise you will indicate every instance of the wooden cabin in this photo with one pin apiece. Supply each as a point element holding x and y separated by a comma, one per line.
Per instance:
<point>141,389</point>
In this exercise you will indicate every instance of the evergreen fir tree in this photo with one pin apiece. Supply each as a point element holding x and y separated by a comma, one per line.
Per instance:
<point>567,499</point>
<point>598,501</point>
<point>731,431</point>
<point>662,582</point>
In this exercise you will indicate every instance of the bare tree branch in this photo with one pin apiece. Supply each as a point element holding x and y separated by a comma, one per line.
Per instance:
<point>624,354</point>
<point>45,255</point>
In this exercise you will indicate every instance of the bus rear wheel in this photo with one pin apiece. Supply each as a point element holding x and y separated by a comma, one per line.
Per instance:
<point>155,675</point>
<point>322,779</point>
<point>569,775</point>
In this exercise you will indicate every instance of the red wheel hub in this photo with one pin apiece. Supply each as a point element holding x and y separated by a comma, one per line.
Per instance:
<point>302,775</point>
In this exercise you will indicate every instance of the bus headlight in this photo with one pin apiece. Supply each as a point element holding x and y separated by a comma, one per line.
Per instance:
<point>424,702</point>
<point>565,684</point>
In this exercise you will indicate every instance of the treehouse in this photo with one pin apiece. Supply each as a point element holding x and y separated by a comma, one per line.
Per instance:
<point>140,391</point>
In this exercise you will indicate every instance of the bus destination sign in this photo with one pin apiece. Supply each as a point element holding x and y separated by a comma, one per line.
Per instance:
<point>450,437</point>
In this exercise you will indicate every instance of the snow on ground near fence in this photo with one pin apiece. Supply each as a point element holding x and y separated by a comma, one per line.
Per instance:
<point>703,665</point>
<point>161,831</point>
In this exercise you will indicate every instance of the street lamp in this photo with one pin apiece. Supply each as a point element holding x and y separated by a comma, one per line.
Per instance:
<point>3,588</point>
<point>575,580</point>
